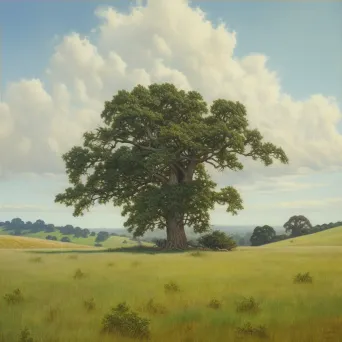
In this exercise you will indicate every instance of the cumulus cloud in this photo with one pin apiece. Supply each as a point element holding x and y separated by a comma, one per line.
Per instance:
<point>164,41</point>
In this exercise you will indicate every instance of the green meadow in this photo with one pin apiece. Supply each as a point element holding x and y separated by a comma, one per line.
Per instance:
<point>212,289</point>
<point>111,242</point>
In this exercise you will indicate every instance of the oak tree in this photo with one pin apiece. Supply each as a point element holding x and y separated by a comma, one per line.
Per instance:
<point>298,225</point>
<point>149,157</point>
<point>262,235</point>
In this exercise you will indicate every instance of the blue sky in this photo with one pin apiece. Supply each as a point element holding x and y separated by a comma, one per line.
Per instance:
<point>303,42</point>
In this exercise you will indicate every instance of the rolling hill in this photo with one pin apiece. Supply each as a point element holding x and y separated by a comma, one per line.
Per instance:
<point>330,237</point>
<point>21,242</point>
<point>111,242</point>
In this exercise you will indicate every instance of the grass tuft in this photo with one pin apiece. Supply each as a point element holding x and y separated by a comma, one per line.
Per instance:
<point>247,305</point>
<point>303,278</point>
<point>14,297</point>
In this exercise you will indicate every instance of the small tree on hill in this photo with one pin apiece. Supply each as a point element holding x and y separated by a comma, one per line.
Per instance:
<point>65,239</point>
<point>102,236</point>
<point>149,157</point>
<point>297,226</point>
<point>262,235</point>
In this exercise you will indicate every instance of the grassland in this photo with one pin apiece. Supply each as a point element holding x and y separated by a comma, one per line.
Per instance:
<point>53,307</point>
<point>330,237</point>
<point>21,242</point>
<point>111,242</point>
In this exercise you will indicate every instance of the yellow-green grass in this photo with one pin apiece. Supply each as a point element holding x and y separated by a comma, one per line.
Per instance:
<point>111,242</point>
<point>53,306</point>
<point>330,237</point>
<point>21,242</point>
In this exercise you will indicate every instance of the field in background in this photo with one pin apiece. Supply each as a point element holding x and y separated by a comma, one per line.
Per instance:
<point>112,242</point>
<point>53,307</point>
<point>329,237</point>
<point>21,242</point>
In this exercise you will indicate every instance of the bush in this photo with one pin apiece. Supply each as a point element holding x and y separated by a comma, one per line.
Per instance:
<point>65,239</point>
<point>14,298</point>
<point>121,320</point>
<point>301,278</point>
<point>249,305</point>
<point>217,239</point>
<point>98,244</point>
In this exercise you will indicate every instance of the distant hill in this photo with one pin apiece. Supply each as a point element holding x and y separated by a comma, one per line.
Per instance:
<point>329,237</point>
<point>161,234</point>
<point>21,242</point>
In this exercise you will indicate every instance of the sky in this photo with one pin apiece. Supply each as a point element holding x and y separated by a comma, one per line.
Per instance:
<point>61,60</point>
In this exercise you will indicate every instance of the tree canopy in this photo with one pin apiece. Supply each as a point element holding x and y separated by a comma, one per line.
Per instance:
<point>149,157</point>
<point>298,225</point>
<point>262,235</point>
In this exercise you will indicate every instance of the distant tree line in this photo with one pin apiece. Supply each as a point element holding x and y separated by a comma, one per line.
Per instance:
<point>18,227</point>
<point>297,225</point>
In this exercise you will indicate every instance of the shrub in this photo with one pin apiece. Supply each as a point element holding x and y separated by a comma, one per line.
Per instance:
<point>214,304</point>
<point>14,298</point>
<point>65,239</point>
<point>248,329</point>
<point>79,274</point>
<point>102,236</point>
<point>171,287</point>
<point>217,239</point>
<point>301,278</point>
<point>249,305</point>
<point>121,320</point>
<point>89,304</point>
<point>25,336</point>
<point>98,244</point>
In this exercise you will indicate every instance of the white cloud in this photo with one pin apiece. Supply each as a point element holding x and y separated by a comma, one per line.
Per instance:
<point>163,41</point>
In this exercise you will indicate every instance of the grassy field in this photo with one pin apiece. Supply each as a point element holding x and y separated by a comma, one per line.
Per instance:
<point>112,242</point>
<point>330,237</point>
<point>21,242</point>
<point>53,301</point>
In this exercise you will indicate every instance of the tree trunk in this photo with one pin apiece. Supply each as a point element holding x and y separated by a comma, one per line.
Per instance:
<point>176,238</point>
